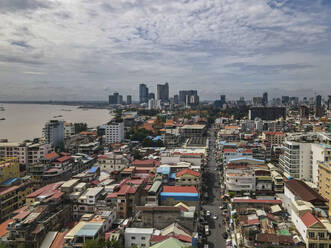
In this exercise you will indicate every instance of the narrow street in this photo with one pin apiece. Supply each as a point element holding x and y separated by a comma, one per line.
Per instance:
<point>215,239</point>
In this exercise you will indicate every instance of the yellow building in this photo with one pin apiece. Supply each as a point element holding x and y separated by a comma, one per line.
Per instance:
<point>187,177</point>
<point>324,181</point>
<point>12,197</point>
<point>9,168</point>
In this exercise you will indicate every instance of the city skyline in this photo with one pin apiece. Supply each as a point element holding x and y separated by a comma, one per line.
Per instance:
<point>62,50</point>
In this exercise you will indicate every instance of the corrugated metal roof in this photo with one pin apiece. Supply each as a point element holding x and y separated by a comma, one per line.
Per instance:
<point>90,229</point>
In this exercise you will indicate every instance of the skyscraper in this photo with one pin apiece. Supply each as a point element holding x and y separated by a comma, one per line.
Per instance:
<point>128,99</point>
<point>265,98</point>
<point>318,101</point>
<point>184,93</point>
<point>143,93</point>
<point>163,92</point>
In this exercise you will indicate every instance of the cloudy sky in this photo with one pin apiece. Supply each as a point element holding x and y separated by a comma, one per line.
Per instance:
<point>87,49</point>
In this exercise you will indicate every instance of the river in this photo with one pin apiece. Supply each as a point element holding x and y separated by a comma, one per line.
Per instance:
<point>25,121</point>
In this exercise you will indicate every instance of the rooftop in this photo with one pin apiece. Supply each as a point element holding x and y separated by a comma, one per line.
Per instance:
<point>302,190</point>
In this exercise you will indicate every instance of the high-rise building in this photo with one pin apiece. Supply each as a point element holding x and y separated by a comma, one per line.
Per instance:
<point>265,98</point>
<point>329,102</point>
<point>116,98</point>
<point>318,101</point>
<point>53,132</point>
<point>285,100</point>
<point>192,100</point>
<point>223,98</point>
<point>143,93</point>
<point>176,99</point>
<point>112,99</point>
<point>257,101</point>
<point>184,93</point>
<point>114,132</point>
<point>295,162</point>
<point>128,99</point>
<point>151,96</point>
<point>163,92</point>
<point>267,113</point>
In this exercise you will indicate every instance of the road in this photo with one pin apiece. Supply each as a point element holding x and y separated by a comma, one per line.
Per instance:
<point>212,180</point>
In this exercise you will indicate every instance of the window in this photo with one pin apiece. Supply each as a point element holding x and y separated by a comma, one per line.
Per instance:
<point>321,235</point>
<point>143,238</point>
<point>311,235</point>
<point>133,238</point>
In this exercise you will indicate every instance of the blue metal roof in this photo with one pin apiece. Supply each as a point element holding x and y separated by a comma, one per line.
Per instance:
<point>157,138</point>
<point>163,170</point>
<point>10,181</point>
<point>93,169</point>
<point>173,175</point>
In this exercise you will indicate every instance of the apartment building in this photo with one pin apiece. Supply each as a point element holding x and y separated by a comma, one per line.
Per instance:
<point>111,162</point>
<point>313,230</point>
<point>296,160</point>
<point>274,138</point>
<point>320,153</point>
<point>28,153</point>
<point>187,177</point>
<point>12,195</point>
<point>188,131</point>
<point>9,168</point>
<point>53,132</point>
<point>114,132</point>
<point>69,129</point>
<point>324,181</point>
<point>138,236</point>
<point>239,178</point>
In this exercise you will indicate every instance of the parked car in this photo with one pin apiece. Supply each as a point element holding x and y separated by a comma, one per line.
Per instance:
<point>208,213</point>
<point>207,232</point>
<point>215,217</point>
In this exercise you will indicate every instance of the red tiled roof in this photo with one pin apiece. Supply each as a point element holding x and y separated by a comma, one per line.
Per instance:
<point>253,222</point>
<point>256,201</point>
<point>4,191</point>
<point>51,155</point>
<point>274,133</point>
<point>229,150</point>
<point>64,158</point>
<point>45,189</point>
<point>21,215</point>
<point>187,171</point>
<point>152,162</point>
<point>308,219</point>
<point>180,189</point>
<point>3,227</point>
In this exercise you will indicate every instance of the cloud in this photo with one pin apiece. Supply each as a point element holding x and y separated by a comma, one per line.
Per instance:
<point>20,5</point>
<point>20,43</point>
<point>120,43</point>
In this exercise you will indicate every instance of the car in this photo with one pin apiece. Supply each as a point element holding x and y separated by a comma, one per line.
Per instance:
<point>207,232</point>
<point>215,217</point>
<point>223,207</point>
<point>208,213</point>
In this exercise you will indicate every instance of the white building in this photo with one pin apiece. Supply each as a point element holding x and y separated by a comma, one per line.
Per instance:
<point>137,236</point>
<point>92,195</point>
<point>111,162</point>
<point>296,161</point>
<point>53,132</point>
<point>114,132</point>
<point>69,129</point>
<point>28,153</point>
<point>322,153</point>
<point>239,179</point>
